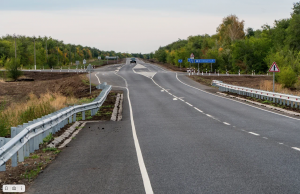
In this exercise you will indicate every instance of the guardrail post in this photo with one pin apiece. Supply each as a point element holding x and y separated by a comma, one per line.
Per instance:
<point>70,119</point>
<point>74,117</point>
<point>13,133</point>
<point>83,115</point>
<point>26,146</point>
<point>21,151</point>
<point>287,103</point>
<point>292,104</point>
<point>31,140</point>
<point>2,142</point>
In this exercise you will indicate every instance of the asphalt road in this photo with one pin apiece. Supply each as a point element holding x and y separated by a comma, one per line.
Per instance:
<point>177,136</point>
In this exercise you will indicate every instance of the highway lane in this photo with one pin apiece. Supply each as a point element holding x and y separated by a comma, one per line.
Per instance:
<point>217,150</point>
<point>189,141</point>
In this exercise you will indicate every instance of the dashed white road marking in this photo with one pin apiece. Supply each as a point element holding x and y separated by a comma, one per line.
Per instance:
<point>235,100</point>
<point>256,134</point>
<point>174,98</point>
<point>265,137</point>
<point>226,123</point>
<point>209,115</point>
<point>198,109</point>
<point>295,148</point>
<point>188,104</point>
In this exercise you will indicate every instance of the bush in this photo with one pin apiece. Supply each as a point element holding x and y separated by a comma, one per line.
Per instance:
<point>12,68</point>
<point>287,77</point>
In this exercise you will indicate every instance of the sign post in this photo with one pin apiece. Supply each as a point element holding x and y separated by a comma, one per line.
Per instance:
<point>274,68</point>
<point>90,69</point>
<point>84,62</point>
<point>99,58</point>
<point>192,58</point>
<point>180,61</point>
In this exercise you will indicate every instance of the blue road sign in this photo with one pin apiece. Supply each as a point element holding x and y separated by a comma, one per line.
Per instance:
<point>179,60</point>
<point>191,60</point>
<point>205,60</point>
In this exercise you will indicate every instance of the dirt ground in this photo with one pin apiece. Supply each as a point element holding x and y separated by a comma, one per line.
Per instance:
<point>68,84</point>
<point>246,81</point>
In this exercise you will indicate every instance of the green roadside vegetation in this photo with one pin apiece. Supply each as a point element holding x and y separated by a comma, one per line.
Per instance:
<point>33,108</point>
<point>247,50</point>
<point>50,53</point>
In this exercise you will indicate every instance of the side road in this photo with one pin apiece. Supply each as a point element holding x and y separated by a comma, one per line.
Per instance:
<point>101,159</point>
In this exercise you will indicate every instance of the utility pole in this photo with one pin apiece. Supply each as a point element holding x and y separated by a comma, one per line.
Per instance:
<point>34,54</point>
<point>46,52</point>
<point>15,47</point>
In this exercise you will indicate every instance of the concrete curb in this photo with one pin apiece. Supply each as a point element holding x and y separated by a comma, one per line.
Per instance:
<point>65,135</point>
<point>117,112</point>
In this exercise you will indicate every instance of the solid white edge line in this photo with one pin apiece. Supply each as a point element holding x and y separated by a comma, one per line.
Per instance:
<point>237,101</point>
<point>254,133</point>
<point>145,176</point>
<point>98,78</point>
<point>295,148</point>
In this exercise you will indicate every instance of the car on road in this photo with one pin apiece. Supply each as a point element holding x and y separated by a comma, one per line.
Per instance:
<point>132,60</point>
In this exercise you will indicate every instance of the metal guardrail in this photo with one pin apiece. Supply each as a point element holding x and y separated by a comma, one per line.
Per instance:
<point>283,99</point>
<point>25,139</point>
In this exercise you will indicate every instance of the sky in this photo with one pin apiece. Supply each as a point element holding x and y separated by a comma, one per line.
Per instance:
<point>132,26</point>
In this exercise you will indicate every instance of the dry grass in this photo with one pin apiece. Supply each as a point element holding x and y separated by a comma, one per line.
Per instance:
<point>19,113</point>
<point>268,86</point>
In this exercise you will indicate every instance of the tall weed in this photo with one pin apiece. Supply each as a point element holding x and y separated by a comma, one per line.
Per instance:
<point>19,113</point>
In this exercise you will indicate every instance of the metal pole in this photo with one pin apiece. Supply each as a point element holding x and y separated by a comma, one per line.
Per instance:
<point>90,83</point>
<point>46,53</point>
<point>15,48</point>
<point>34,55</point>
<point>211,67</point>
<point>273,81</point>
<point>198,69</point>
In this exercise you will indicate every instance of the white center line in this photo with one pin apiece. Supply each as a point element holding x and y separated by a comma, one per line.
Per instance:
<point>226,123</point>
<point>198,109</point>
<point>265,137</point>
<point>188,104</point>
<point>254,133</point>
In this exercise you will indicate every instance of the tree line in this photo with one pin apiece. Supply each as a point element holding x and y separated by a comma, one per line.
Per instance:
<point>49,52</point>
<point>247,50</point>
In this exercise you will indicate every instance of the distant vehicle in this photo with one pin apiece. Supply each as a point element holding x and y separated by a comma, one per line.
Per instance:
<point>132,60</point>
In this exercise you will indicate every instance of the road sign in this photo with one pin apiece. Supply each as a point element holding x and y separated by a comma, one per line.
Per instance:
<point>191,60</point>
<point>89,68</point>
<point>274,68</point>
<point>77,62</point>
<point>84,61</point>
<point>192,56</point>
<point>99,57</point>
<point>205,60</point>
<point>179,60</point>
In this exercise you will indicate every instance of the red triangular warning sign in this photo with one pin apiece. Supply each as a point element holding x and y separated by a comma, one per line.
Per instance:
<point>274,68</point>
